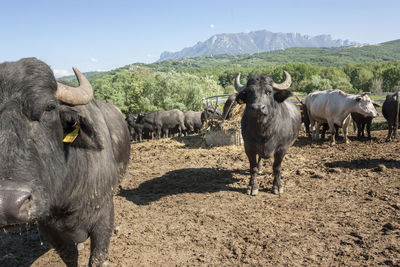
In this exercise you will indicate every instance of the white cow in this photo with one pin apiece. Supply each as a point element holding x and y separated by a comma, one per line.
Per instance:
<point>334,107</point>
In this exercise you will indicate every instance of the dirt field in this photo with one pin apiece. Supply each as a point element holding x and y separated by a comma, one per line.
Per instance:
<point>183,204</point>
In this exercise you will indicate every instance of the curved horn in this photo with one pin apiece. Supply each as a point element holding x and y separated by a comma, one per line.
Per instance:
<point>285,84</point>
<point>238,86</point>
<point>75,95</point>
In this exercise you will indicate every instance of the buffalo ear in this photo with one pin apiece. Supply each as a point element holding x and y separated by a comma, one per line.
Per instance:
<point>376,105</point>
<point>87,136</point>
<point>241,97</point>
<point>281,95</point>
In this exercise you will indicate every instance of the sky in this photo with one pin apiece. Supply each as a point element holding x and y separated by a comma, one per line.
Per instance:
<point>103,35</point>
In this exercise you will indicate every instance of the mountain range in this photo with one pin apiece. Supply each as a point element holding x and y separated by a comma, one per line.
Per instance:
<point>254,42</point>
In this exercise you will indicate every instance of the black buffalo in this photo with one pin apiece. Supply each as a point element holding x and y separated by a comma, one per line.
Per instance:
<point>270,125</point>
<point>211,113</point>
<point>390,110</point>
<point>193,121</point>
<point>162,122</point>
<point>66,187</point>
<point>135,129</point>
<point>360,122</point>
<point>169,120</point>
<point>147,123</point>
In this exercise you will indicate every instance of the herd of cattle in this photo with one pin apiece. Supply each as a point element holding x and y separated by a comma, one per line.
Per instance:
<point>165,123</point>
<point>331,109</point>
<point>64,153</point>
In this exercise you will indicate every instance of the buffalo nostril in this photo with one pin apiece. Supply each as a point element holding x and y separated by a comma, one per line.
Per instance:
<point>15,205</point>
<point>258,108</point>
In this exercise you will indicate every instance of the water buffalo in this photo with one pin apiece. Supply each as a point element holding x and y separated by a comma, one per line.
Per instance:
<point>360,122</point>
<point>135,129</point>
<point>193,122</point>
<point>390,110</point>
<point>210,112</point>
<point>147,123</point>
<point>270,125</point>
<point>168,120</point>
<point>62,156</point>
<point>334,107</point>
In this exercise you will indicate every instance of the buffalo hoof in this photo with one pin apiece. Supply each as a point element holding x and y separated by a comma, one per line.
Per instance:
<point>277,190</point>
<point>252,191</point>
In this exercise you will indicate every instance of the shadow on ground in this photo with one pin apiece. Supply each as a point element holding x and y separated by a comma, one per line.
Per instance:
<point>190,180</point>
<point>365,164</point>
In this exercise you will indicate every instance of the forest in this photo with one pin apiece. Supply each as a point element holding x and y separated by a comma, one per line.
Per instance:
<point>182,83</point>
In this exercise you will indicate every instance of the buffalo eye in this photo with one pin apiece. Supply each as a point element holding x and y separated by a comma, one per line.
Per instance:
<point>51,107</point>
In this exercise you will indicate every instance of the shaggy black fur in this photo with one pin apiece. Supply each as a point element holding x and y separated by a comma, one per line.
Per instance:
<point>270,125</point>
<point>70,185</point>
<point>390,110</point>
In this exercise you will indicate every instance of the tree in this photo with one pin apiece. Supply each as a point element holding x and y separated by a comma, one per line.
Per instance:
<point>391,79</point>
<point>316,83</point>
<point>361,78</point>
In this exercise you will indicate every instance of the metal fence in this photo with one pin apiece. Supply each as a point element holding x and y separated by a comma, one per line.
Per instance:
<point>221,99</point>
<point>215,100</point>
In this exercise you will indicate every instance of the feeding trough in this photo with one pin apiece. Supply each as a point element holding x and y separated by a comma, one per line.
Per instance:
<point>223,132</point>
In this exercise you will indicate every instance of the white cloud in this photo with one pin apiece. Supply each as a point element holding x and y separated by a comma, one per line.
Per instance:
<point>61,73</point>
<point>151,56</point>
<point>212,26</point>
<point>93,59</point>
<point>100,70</point>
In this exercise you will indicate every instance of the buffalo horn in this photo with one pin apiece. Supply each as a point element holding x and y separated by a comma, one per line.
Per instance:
<point>284,85</point>
<point>75,95</point>
<point>238,86</point>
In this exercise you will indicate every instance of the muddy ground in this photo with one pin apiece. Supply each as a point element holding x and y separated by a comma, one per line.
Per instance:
<point>183,204</point>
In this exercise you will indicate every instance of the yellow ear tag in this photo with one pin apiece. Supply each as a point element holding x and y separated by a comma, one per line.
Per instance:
<point>70,137</point>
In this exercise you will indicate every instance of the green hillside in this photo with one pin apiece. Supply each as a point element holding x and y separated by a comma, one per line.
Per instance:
<point>183,83</point>
<point>389,51</point>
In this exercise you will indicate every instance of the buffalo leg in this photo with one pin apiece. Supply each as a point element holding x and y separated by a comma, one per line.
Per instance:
<point>345,132</point>
<point>362,130</point>
<point>67,251</point>
<point>325,127</point>
<point>359,130</point>
<point>100,236</point>
<point>333,132</point>
<point>389,132</point>
<point>277,172</point>
<point>369,130</point>
<point>394,131</point>
<point>252,189</point>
